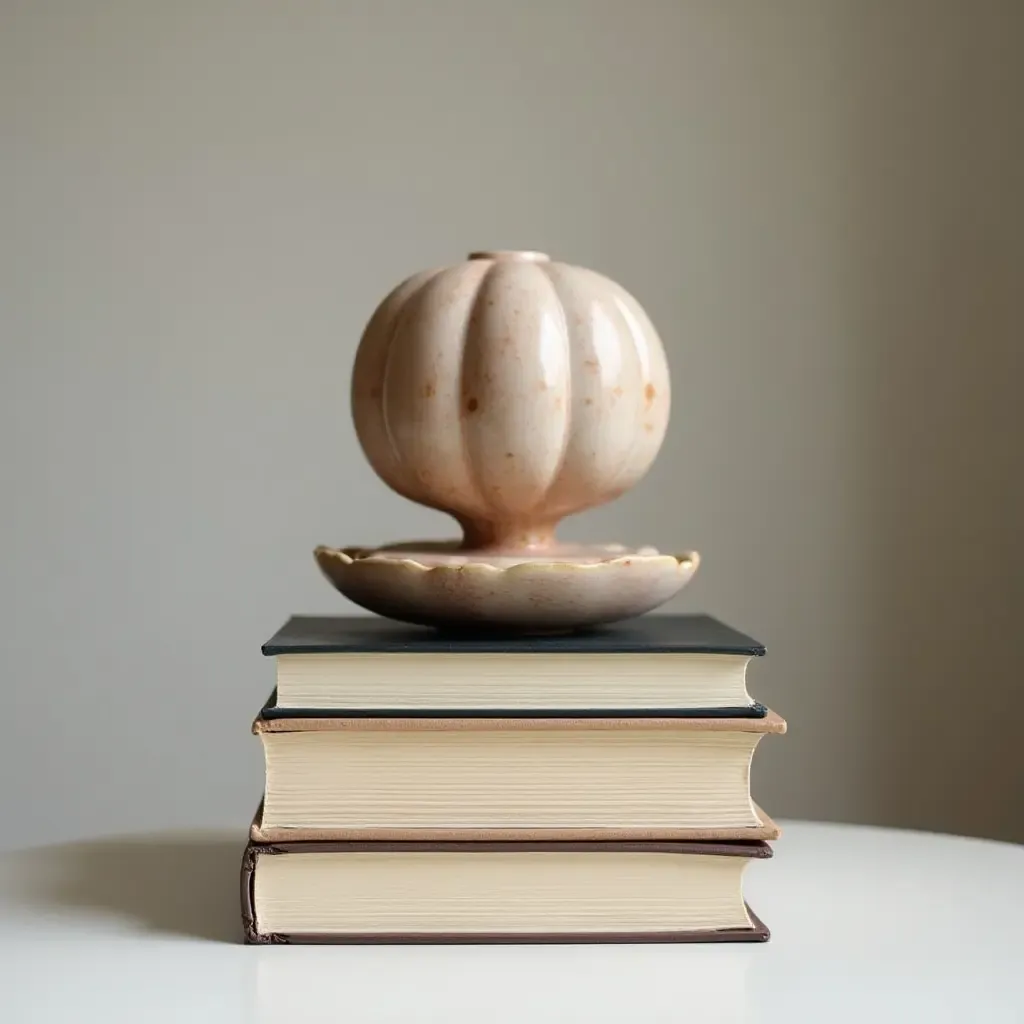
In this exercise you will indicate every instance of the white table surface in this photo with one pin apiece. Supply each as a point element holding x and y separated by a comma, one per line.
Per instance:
<point>867,925</point>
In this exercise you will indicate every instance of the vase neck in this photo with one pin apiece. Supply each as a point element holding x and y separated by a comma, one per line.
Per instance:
<point>511,537</point>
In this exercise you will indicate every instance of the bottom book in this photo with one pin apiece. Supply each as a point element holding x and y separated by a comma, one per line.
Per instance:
<point>484,892</point>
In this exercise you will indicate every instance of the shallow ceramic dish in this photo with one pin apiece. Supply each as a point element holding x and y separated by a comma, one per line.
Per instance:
<point>561,590</point>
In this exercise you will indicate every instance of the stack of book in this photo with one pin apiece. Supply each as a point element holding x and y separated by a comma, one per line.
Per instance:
<point>429,787</point>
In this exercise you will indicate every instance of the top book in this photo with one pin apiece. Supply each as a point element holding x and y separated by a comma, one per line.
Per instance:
<point>657,665</point>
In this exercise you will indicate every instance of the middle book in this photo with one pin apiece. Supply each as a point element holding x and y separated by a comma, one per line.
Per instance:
<point>511,778</point>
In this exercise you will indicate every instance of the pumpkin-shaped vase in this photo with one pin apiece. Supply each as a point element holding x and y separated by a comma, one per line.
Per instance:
<point>511,391</point>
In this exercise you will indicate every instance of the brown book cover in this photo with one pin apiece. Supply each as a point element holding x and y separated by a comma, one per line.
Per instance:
<point>758,932</point>
<point>770,723</point>
<point>768,830</point>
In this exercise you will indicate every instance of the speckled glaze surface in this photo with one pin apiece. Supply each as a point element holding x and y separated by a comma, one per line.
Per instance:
<point>442,585</point>
<point>510,390</point>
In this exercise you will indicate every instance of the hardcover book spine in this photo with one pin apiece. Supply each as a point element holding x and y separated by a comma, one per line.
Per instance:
<point>251,935</point>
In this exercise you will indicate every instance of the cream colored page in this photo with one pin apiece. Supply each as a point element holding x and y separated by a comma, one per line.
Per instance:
<point>517,681</point>
<point>506,892</point>
<point>481,779</point>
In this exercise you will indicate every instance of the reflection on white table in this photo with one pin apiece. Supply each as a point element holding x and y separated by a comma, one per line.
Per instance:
<point>868,925</point>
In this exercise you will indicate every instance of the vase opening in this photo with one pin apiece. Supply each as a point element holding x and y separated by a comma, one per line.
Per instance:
<point>511,255</point>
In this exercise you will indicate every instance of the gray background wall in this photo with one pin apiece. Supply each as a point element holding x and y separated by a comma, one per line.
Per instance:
<point>818,203</point>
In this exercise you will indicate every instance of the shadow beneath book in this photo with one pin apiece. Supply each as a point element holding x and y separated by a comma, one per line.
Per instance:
<point>176,885</point>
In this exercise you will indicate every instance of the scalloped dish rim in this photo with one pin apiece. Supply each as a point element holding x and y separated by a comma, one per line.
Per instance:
<point>686,561</point>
